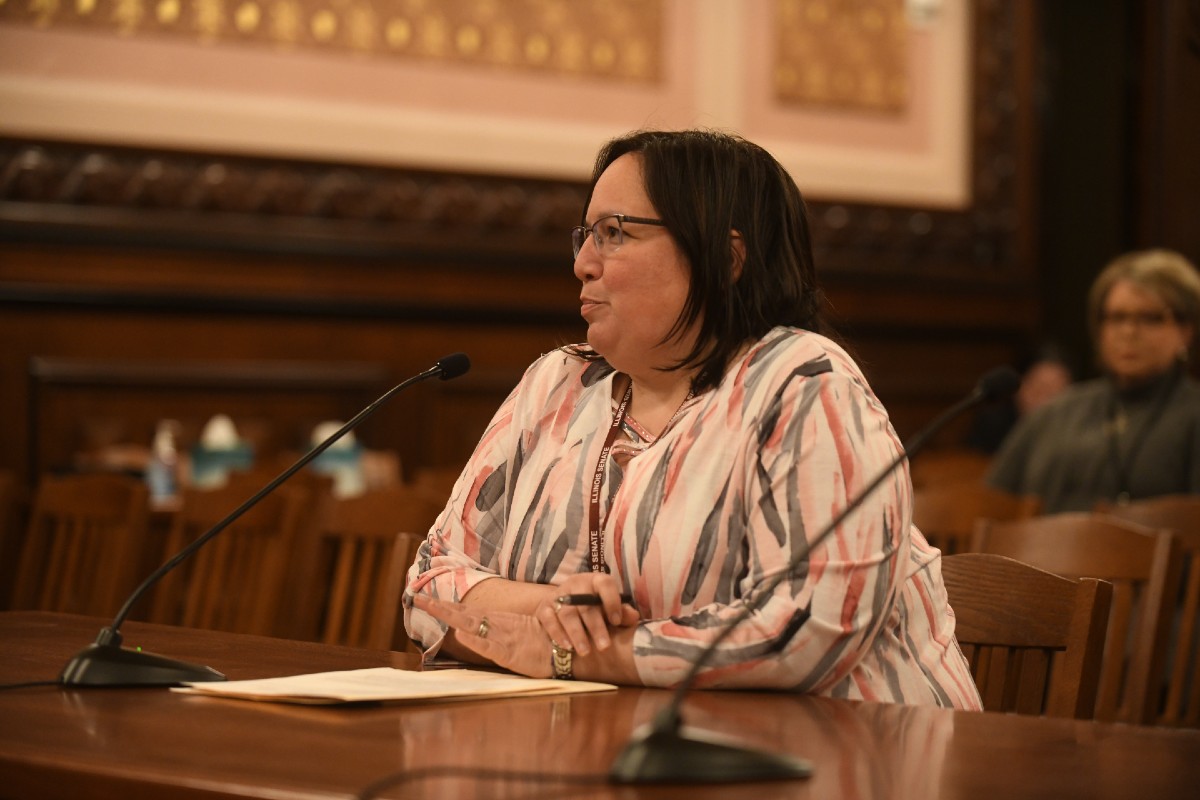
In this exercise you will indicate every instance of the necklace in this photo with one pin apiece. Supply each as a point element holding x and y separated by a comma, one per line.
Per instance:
<point>595,524</point>
<point>1117,423</point>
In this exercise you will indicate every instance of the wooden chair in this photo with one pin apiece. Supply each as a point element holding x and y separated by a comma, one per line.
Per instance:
<point>1143,566</point>
<point>368,544</point>
<point>1035,640</point>
<point>380,468</point>
<point>11,536</point>
<point>946,513</point>
<point>1180,514</point>
<point>83,544</point>
<point>955,465</point>
<point>436,483</point>
<point>239,581</point>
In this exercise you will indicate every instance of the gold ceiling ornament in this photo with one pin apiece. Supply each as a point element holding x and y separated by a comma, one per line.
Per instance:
<point>362,28</point>
<point>167,11</point>
<point>247,17</point>
<point>41,12</point>
<point>606,39</point>
<point>287,23</point>
<point>324,25</point>
<point>839,53</point>
<point>209,18</point>
<point>128,16</point>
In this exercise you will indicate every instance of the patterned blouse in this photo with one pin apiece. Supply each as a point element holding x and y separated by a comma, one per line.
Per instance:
<point>695,520</point>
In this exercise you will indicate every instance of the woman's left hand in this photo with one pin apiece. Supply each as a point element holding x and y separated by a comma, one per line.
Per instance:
<point>516,642</point>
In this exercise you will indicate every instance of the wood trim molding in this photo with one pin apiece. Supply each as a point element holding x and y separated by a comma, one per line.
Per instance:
<point>226,374</point>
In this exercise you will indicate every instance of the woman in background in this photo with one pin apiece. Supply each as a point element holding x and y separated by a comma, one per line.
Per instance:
<point>704,434</point>
<point>1135,432</point>
<point>1043,377</point>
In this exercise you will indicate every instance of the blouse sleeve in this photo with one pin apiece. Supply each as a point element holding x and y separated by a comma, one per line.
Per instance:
<point>818,443</point>
<point>461,548</point>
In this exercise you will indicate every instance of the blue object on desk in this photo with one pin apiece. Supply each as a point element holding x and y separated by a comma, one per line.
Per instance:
<point>211,467</point>
<point>343,463</point>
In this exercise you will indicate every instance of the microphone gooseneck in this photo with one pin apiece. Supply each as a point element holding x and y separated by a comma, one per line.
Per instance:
<point>662,753</point>
<point>106,663</point>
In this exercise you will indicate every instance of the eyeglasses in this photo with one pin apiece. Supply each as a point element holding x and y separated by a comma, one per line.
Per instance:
<point>608,232</point>
<point>1138,319</point>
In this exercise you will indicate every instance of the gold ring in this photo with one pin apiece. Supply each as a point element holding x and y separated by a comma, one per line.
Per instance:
<point>558,606</point>
<point>562,661</point>
<point>483,629</point>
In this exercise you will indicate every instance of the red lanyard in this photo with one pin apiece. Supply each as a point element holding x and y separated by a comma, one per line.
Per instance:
<point>595,537</point>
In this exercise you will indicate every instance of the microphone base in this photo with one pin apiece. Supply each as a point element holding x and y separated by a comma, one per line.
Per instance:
<point>111,665</point>
<point>668,756</point>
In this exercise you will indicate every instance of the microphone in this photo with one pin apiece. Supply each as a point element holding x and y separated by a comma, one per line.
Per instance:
<point>662,753</point>
<point>106,663</point>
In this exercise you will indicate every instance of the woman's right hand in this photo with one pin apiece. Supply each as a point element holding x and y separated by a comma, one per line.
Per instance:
<point>580,628</point>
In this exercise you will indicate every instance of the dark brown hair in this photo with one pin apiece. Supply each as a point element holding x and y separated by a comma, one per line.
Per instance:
<point>706,185</point>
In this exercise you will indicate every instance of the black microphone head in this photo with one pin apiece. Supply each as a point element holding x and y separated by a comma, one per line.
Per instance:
<point>453,365</point>
<point>998,384</point>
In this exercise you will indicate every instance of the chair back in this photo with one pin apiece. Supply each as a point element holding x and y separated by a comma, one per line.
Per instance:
<point>12,532</point>
<point>1181,514</point>
<point>83,544</point>
<point>954,465</point>
<point>946,513</point>
<point>238,581</point>
<point>368,544</point>
<point>436,483</point>
<point>1143,566</point>
<point>1035,640</point>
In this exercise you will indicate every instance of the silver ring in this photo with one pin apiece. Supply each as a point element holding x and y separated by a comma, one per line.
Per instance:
<point>483,629</point>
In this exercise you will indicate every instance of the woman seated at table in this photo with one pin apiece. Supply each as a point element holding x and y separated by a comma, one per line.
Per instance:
<point>1135,432</point>
<point>705,433</point>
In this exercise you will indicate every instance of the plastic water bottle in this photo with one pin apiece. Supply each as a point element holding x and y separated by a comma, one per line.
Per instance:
<point>162,471</point>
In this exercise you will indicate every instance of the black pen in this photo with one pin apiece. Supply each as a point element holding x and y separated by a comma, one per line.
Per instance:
<point>589,599</point>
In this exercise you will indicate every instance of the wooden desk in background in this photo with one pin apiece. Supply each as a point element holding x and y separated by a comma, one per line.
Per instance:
<point>155,743</point>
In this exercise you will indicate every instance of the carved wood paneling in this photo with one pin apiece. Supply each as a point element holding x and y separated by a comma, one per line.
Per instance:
<point>51,191</point>
<point>131,253</point>
<point>994,236</point>
<point>137,196</point>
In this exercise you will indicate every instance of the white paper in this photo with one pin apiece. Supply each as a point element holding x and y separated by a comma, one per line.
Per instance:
<point>386,684</point>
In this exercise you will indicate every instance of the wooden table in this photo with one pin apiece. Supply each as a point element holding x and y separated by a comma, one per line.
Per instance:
<point>140,743</point>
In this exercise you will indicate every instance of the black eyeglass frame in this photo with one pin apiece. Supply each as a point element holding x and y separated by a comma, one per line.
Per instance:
<point>580,233</point>
<point>1138,319</point>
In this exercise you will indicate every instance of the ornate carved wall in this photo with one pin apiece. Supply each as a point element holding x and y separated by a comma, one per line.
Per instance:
<point>86,188</point>
<point>175,253</point>
<point>607,39</point>
<point>850,55</point>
